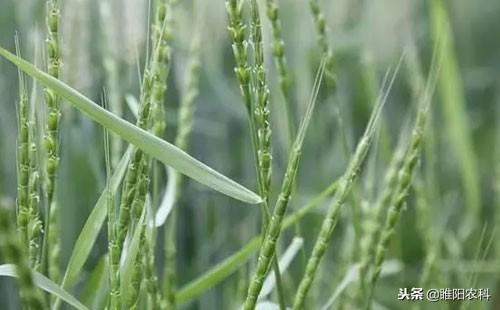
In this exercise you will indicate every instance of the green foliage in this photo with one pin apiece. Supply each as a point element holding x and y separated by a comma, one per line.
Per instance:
<point>390,188</point>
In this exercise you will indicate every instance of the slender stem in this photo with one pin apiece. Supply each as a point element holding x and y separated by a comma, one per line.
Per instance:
<point>272,233</point>
<point>51,141</point>
<point>345,185</point>
<point>258,119</point>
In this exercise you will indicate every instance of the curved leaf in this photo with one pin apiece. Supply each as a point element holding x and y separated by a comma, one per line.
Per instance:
<point>93,225</point>
<point>168,199</point>
<point>150,144</point>
<point>9,270</point>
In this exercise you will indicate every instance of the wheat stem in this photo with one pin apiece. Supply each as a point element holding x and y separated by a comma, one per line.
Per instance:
<point>51,139</point>
<point>341,194</point>
<point>272,233</point>
<point>372,226</point>
<point>404,179</point>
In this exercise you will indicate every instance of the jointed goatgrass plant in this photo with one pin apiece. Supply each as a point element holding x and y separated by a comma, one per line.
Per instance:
<point>405,173</point>
<point>51,141</point>
<point>238,34</point>
<point>427,191</point>
<point>261,105</point>
<point>372,225</point>
<point>255,93</point>
<point>272,233</point>
<point>28,222</point>
<point>151,240</point>
<point>344,187</point>
<point>160,63</point>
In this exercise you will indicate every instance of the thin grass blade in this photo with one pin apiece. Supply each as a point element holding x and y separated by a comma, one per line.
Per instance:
<point>168,199</point>
<point>93,225</point>
<point>41,281</point>
<point>150,144</point>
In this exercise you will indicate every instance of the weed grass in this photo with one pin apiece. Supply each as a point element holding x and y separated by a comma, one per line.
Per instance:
<point>408,206</point>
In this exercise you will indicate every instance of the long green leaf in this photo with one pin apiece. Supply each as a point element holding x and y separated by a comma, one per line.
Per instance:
<point>456,119</point>
<point>93,226</point>
<point>150,144</point>
<point>9,270</point>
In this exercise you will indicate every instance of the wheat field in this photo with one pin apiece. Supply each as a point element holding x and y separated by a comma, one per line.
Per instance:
<point>249,154</point>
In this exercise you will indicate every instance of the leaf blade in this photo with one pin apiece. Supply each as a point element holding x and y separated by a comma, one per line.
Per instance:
<point>150,144</point>
<point>9,270</point>
<point>92,227</point>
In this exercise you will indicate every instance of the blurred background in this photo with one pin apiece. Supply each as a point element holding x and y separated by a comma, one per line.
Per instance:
<point>104,43</point>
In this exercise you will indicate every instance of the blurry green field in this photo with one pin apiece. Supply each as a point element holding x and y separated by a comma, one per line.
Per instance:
<point>436,227</point>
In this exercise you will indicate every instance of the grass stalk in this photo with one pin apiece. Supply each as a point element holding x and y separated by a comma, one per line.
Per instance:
<point>243,72</point>
<point>263,129</point>
<point>405,175</point>
<point>426,186</point>
<point>372,225</point>
<point>272,233</point>
<point>341,194</point>
<point>151,100</point>
<point>258,116</point>
<point>160,64</point>
<point>23,162</point>
<point>28,221</point>
<point>261,107</point>
<point>51,141</point>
